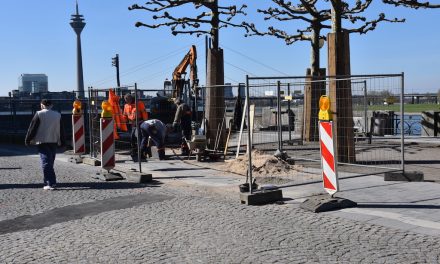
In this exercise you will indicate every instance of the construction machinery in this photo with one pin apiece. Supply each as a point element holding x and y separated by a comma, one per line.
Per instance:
<point>162,106</point>
<point>178,82</point>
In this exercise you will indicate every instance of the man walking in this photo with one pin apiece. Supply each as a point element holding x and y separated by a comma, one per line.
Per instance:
<point>46,131</point>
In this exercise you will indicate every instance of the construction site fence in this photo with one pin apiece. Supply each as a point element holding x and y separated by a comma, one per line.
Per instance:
<point>158,105</point>
<point>123,128</point>
<point>284,116</point>
<point>368,131</point>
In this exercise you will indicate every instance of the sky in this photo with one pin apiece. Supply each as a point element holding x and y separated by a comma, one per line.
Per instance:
<point>36,38</point>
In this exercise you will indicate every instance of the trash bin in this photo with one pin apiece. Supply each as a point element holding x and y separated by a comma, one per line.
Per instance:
<point>380,123</point>
<point>378,126</point>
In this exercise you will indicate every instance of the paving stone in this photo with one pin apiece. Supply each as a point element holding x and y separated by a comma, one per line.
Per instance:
<point>191,227</point>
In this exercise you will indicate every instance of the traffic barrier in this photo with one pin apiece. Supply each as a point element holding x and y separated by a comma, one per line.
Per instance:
<point>327,146</point>
<point>107,138</point>
<point>107,144</point>
<point>78,134</point>
<point>329,165</point>
<point>328,162</point>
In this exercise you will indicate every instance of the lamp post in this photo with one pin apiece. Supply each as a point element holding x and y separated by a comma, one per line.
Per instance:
<point>77,23</point>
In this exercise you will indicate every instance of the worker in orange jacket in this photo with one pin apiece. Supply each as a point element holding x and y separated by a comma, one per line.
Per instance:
<point>130,112</point>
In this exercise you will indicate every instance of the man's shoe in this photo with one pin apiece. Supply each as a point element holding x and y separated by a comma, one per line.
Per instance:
<point>47,187</point>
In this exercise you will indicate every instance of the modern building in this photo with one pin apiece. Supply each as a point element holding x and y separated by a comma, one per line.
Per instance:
<point>33,83</point>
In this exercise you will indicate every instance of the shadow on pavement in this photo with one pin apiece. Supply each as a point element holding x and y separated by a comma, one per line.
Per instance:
<point>179,169</point>
<point>403,206</point>
<point>83,185</point>
<point>180,177</point>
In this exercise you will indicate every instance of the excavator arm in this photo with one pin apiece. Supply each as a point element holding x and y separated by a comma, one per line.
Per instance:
<point>189,59</point>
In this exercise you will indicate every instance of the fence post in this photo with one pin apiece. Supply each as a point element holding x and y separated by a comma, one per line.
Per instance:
<point>365,107</point>
<point>249,135</point>
<point>289,113</point>
<point>402,132</point>
<point>137,127</point>
<point>280,137</point>
<point>89,110</point>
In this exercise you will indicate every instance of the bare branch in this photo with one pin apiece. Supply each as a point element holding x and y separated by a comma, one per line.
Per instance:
<point>411,3</point>
<point>215,18</point>
<point>370,25</point>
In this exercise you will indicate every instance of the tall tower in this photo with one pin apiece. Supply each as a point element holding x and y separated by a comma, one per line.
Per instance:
<point>77,23</point>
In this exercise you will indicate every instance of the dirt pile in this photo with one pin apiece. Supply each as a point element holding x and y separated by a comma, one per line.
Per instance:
<point>262,165</point>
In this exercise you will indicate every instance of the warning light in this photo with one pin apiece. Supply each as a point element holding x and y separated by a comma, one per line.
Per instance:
<point>324,108</point>
<point>107,110</point>
<point>77,107</point>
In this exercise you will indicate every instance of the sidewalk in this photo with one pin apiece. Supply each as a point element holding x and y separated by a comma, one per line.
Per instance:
<point>408,206</point>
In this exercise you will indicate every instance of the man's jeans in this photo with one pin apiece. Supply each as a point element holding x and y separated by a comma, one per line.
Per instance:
<point>47,155</point>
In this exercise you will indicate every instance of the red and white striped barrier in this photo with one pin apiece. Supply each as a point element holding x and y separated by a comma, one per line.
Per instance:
<point>328,161</point>
<point>78,134</point>
<point>107,144</point>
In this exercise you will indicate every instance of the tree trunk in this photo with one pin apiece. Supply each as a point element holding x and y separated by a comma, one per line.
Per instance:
<point>313,91</point>
<point>340,95</point>
<point>336,16</point>
<point>215,22</point>
<point>215,103</point>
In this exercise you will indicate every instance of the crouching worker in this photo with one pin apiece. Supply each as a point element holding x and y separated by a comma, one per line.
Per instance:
<point>156,130</point>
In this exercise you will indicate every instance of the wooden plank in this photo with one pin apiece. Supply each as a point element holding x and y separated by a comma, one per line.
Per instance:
<point>241,127</point>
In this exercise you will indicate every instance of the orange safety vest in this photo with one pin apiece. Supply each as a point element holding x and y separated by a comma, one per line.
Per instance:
<point>130,112</point>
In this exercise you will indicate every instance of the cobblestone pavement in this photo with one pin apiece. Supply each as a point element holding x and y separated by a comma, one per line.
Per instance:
<point>186,227</point>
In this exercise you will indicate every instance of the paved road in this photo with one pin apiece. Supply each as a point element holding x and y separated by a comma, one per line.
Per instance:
<point>165,222</point>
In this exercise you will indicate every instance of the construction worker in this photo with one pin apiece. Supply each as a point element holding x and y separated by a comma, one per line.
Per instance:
<point>156,130</point>
<point>130,112</point>
<point>183,119</point>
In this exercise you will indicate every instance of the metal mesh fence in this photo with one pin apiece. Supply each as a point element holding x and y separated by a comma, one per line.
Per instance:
<point>123,127</point>
<point>366,115</point>
<point>145,104</point>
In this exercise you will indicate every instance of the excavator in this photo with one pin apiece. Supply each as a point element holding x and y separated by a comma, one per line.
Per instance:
<point>178,82</point>
<point>162,107</point>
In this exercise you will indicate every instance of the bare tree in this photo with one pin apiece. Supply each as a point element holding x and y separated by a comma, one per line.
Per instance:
<point>411,3</point>
<point>316,19</point>
<point>210,19</point>
<point>216,17</point>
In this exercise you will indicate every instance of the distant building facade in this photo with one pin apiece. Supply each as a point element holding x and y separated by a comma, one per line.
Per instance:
<point>33,83</point>
<point>228,90</point>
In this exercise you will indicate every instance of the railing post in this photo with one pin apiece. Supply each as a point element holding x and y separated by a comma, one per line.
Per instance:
<point>402,132</point>
<point>280,128</point>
